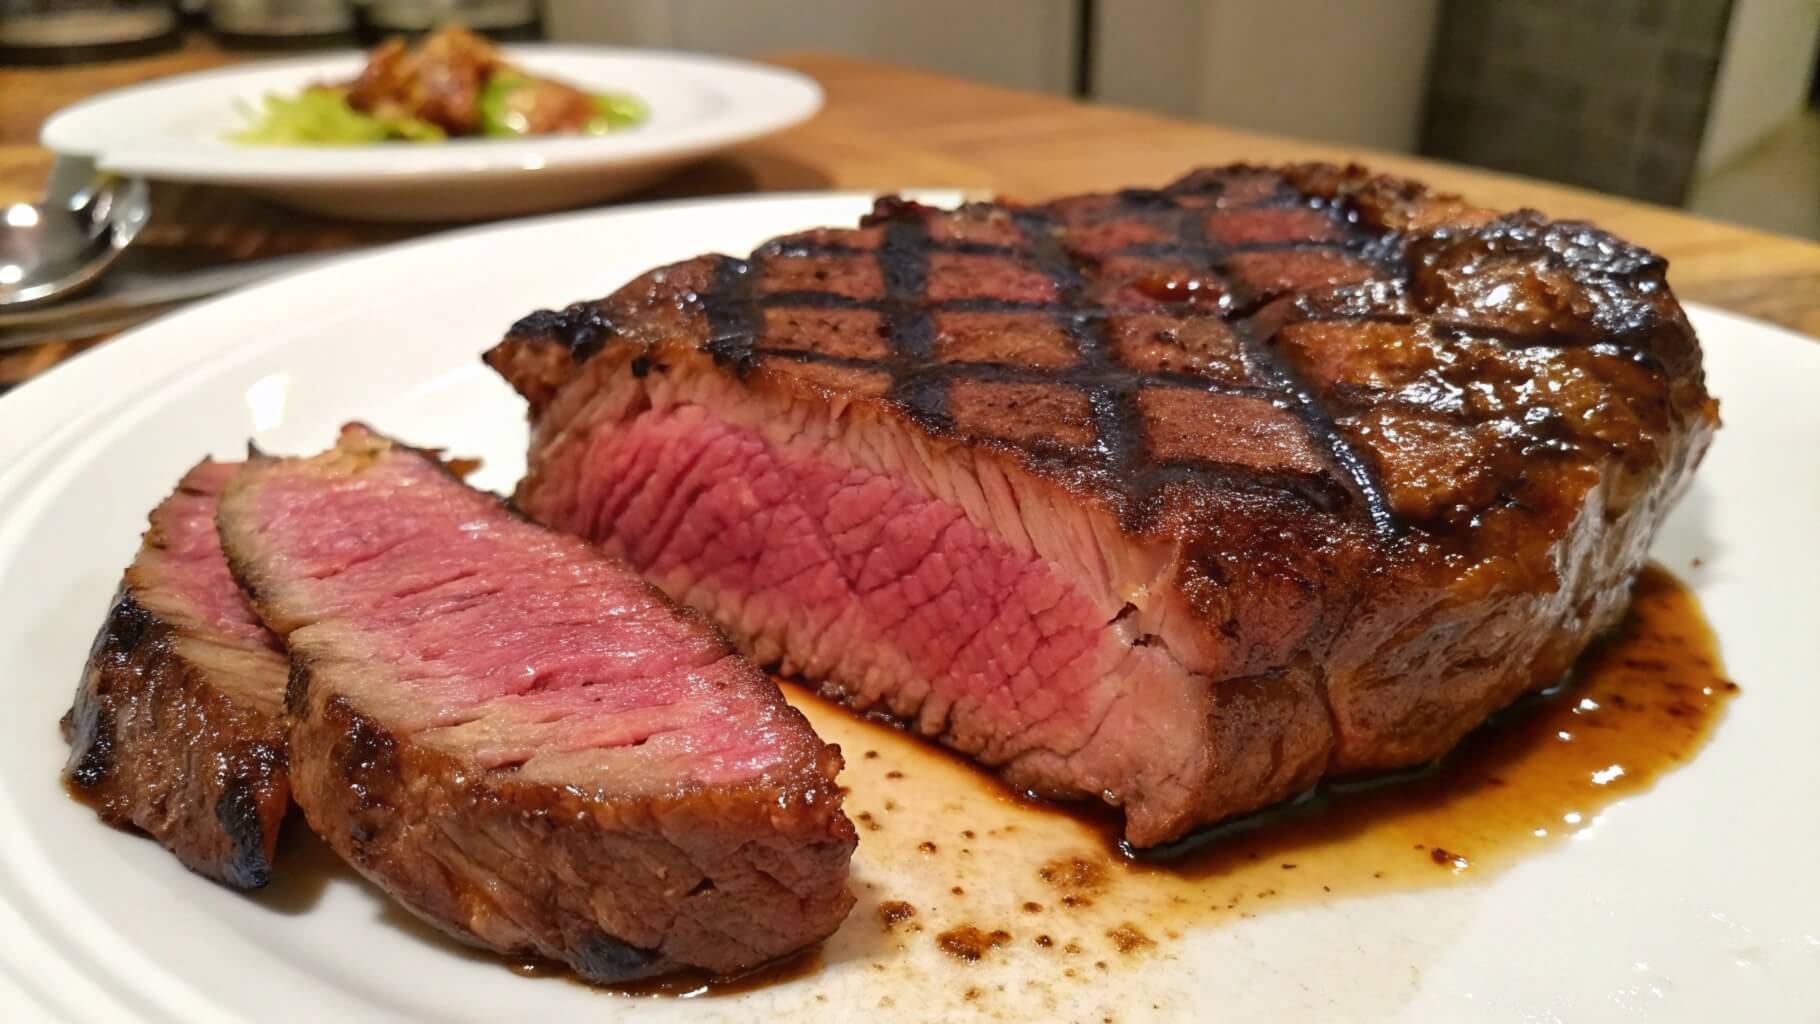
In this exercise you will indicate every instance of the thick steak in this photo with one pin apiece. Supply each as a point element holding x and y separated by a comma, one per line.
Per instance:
<point>178,723</point>
<point>1178,499</point>
<point>518,739</point>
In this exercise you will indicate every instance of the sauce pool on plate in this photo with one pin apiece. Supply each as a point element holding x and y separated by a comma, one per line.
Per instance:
<point>955,873</point>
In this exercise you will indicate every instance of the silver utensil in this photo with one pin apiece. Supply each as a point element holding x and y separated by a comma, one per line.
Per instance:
<point>53,249</point>
<point>132,294</point>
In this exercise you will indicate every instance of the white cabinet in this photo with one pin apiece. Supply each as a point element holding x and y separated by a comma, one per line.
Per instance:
<point>1314,69</point>
<point>1318,69</point>
<point>1027,44</point>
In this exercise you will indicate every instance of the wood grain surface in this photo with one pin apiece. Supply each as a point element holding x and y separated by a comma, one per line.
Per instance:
<point>888,128</point>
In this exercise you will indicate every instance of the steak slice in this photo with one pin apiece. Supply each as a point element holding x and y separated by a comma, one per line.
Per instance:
<point>1180,499</point>
<point>178,723</point>
<point>521,741</point>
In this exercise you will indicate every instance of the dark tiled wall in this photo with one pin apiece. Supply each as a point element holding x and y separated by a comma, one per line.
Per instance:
<point>1607,94</point>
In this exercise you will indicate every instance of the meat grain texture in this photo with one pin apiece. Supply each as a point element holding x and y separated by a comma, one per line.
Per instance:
<point>178,722</point>
<point>521,742</point>
<point>1179,499</point>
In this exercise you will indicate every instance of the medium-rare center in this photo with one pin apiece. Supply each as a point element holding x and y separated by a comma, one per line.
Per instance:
<point>521,741</point>
<point>1175,499</point>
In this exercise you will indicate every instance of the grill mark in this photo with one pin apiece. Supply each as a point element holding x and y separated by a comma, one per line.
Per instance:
<point>903,261</point>
<point>829,300</point>
<point>817,300</point>
<point>1322,492</point>
<point>795,248</point>
<point>1302,400</point>
<point>1293,393</point>
<point>1109,376</point>
<point>1116,421</point>
<point>1572,248</point>
<point>920,385</point>
<point>733,322</point>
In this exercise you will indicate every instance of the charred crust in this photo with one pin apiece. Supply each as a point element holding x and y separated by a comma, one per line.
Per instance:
<point>604,960</point>
<point>238,813</point>
<point>896,209</point>
<point>132,642</point>
<point>582,328</point>
<point>592,872</point>
<point>89,727</point>
<point>732,323</point>
<point>142,718</point>
<point>125,635</point>
<point>1418,489</point>
<point>366,758</point>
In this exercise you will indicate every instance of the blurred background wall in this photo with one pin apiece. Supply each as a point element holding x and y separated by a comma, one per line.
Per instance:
<point>1704,103</point>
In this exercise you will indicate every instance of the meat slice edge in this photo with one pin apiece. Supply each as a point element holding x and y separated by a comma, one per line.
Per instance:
<point>177,727</point>
<point>981,608</point>
<point>520,741</point>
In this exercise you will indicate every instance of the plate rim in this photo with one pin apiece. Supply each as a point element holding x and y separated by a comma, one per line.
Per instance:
<point>768,98</point>
<point>97,366</point>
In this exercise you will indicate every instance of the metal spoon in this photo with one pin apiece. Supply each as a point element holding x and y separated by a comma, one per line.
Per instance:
<point>50,250</point>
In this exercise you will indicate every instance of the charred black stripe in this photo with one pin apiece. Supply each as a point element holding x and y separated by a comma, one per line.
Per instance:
<point>1116,422</point>
<point>1109,376</point>
<point>1323,492</point>
<point>903,261</point>
<point>1299,398</point>
<point>1290,391</point>
<point>817,300</point>
<point>830,300</point>
<point>129,636</point>
<point>733,322</point>
<point>237,812</point>
<point>963,247</point>
<point>580,328</point>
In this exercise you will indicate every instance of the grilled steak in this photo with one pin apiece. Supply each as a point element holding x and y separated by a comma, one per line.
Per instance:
<point>521,741</point>
<point>177,726</point>
<point>1177,498</point>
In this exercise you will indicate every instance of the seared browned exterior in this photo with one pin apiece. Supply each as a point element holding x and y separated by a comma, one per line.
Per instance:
<point>167,734</point>
<point>616,883</point>
<point>1407,454</point>
<point>617,889</point>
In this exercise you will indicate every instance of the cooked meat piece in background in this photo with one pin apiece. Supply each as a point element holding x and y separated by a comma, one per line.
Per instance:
<point>178,723</point>
<point>1178,499</point>
<point>443,79</point>
<point>439,81</point>
<point>522,742</point>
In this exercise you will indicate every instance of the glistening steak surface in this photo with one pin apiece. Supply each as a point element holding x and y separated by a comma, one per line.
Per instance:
<point>521,741</point>
<point>178,723</point>
<point>1175,498</point>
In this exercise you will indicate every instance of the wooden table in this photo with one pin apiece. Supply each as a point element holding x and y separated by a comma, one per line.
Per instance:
<point>888,127</point>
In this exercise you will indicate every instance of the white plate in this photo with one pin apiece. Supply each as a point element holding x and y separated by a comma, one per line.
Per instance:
<point>1696,900</point>
<point>175,129</point>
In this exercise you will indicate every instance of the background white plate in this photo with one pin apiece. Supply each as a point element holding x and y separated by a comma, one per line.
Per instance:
<point>175,129</point>
<point>1696,900</point>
